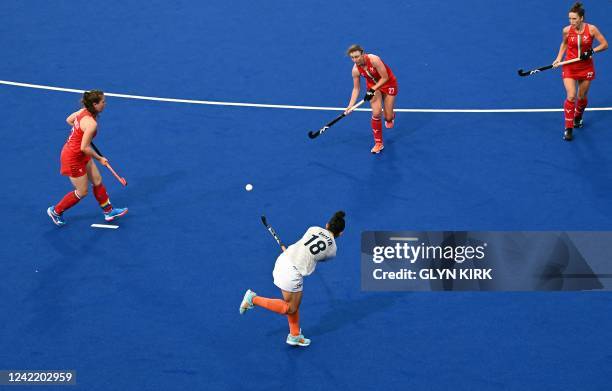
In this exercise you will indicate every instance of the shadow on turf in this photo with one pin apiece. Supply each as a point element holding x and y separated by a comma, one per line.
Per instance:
<point>347,312</point>
<point>145,188</point>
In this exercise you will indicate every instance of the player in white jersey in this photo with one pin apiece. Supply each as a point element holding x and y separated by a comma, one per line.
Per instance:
<point>297,261</point>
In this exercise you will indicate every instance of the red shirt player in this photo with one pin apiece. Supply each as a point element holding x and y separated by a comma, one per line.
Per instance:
<point>578,43</point>
<point>76,161</point>
<point>382,89</point>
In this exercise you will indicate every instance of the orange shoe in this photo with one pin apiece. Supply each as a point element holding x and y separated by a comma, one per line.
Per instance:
<point>377,148</point>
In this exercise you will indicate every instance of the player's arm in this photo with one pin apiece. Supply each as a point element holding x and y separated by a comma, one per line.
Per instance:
<point>88,126</point>
<point>356,88</point>
<point>562,48</point>
<point>382,71</point>
<point>603,43</point>
<point>71,118</point>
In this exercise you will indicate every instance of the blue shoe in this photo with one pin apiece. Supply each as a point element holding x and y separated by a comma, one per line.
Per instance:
<point>247,301</point>
<point>115,213</point>
<point>297,340</point>
<point>57,219</point>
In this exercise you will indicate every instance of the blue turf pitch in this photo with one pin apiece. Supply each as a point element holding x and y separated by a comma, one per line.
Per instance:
<point>153,305</point>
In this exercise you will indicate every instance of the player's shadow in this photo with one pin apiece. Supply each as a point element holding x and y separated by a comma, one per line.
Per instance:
<point>373,179</point>
<point>146,188</point>
<point>406,125</point>
<point>348,312</point>
<point>91,217</point>
<point>80,246</point>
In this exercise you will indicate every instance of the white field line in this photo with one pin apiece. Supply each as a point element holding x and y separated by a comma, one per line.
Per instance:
<point>269,106</point>
<point>107,226</point>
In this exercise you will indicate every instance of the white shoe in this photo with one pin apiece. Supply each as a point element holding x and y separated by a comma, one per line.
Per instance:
<point>297,340</point>
<point>247,301</point>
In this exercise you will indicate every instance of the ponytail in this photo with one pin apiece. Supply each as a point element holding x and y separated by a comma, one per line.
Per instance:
<point>336,223</point>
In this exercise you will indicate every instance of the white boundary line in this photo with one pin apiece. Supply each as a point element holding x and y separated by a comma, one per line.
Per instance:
<point>216,103</point>
<point>107,226</point>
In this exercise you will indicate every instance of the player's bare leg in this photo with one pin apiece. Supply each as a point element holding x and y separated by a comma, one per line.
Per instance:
<point>294,299</point>
<point>80,184</point>
<point>389,103</point>
<point>93,173</point>
<point>295,336</point>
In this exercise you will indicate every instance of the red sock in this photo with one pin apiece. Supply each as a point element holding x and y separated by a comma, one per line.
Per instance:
<point>377,129</point>
<point>276,305</point>
<point>569,114</point>
<point>69,200</point>
<point>580,106</point>
<point>102,197</point>
<point>294,323</point>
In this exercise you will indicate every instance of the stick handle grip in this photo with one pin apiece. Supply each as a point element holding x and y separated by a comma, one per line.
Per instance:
<point>573,60</point>
<point>338,118</point>
<point>357,105</point>
<point>96,149</point>
<point>312,134</point>
<point>120,179</point>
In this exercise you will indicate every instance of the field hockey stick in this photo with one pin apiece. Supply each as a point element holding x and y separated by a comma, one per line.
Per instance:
<point>273,233</point>
<point>531,72</point>
<point>120,179</point>
<point>312,134</point>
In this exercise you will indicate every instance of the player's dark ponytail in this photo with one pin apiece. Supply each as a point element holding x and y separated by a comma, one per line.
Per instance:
<point>91,97</point>
<point>336,223</point>
<point>578,8</point>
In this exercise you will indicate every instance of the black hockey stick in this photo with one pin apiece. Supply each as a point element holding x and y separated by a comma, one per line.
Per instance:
<point>312,134</point>
<point>533,71</point>
<point>272,232</point>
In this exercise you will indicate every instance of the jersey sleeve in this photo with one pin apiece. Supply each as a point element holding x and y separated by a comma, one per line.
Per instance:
<point>330,252</point>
